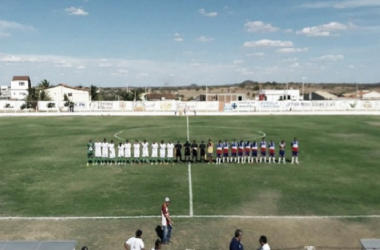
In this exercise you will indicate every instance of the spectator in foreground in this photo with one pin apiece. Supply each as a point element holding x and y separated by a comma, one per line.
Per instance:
<point>166,222</point>
<point>157,245</point>
<point>236,241</point>
<point>264,243</point>
<point>135,243</point>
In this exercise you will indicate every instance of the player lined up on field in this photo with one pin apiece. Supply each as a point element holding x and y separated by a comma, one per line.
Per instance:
<point>226,152</point>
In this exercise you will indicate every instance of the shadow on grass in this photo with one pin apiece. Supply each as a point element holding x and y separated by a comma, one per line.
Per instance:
<point>159,232</point>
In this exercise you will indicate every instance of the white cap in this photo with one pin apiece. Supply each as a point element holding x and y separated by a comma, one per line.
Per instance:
<point>167,199</point>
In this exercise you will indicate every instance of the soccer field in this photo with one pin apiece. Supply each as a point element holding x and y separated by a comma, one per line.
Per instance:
<point>43,168</point>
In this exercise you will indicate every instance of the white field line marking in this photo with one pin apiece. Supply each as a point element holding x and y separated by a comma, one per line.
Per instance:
<point>187,128</point>
<point>191,211</point>
<point>290,217</point>
<point>116,135</point>
<point>190,192</point>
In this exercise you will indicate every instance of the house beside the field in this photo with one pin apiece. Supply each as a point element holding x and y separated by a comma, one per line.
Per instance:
<point>273,95</point>
<point>222,97</point>
<point>19,87</point>
<point>58,92</point>
<point>157,96</point>
<point>356,94</point>
<point>5,92</point>
<point>320,96</point>
<point>373,95</point>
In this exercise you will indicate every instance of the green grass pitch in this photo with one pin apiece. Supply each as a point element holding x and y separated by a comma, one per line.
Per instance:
<point>43,168</point>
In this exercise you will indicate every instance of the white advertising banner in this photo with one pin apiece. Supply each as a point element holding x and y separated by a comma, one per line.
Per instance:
<point>6,105</point>
<point>191,106</point>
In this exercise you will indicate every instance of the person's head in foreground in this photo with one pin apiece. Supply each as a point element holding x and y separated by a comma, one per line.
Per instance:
<point>238,234</point>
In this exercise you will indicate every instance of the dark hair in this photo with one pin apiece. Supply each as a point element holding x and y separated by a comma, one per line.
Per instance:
<point>238,232</point>
<point>263,239</point>
<point>84,248</point>
<point>157,243</point>
<point>138,233</point>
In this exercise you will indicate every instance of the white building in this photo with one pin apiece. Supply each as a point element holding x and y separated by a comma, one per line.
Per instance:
<point>5,92</point>
<point>74,94</point>
<point>274,95</point>
<point>19,87</point>
<point>373,95</point>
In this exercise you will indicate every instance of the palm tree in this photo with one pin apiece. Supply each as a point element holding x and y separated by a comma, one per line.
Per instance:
<point>94,93</point>
<point>44,84</point>
<point>42,95</point>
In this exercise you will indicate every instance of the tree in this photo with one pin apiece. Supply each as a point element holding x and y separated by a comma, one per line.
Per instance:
<point>31,99</point>
<point>94,92</point>
<point>42,95</point>
<point>133,95</point>
<point>44,84</point>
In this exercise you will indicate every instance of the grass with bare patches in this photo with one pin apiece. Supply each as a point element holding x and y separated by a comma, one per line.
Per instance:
<point>43,170</point>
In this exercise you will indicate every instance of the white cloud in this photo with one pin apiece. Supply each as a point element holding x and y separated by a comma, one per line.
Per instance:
<point>244,71</point>
<point>177,38</point>
<point>76,11</point>
<point>256,54</point>
<point>105,65</point>
<point>158,72</point>
<point>142,75</point>
<point>341,4</point>
<point>203,12</point>
<point>268,43</point>
<point>10,25</point>
<point>295,65</point>
<point>328,29</point>
<point>259,26</point>
<point>294,59</point>
<point>204,39</point>
<point>292,50</point>
<point>63,64</point>
<point>81,67</point>
<point>288,31</point>
<point>329,58</point>
<point>7,26</point>
<point>195,64</point>
<point>4,34</point>
<point>238,61</point>
<point>22,59</point>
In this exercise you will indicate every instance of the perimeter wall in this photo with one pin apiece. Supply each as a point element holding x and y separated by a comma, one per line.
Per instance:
<point>191,106</point>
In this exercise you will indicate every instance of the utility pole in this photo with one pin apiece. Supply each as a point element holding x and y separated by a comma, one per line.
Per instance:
<point>303,87</point>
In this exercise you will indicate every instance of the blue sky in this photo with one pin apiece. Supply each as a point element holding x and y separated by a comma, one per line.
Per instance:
<point>180,42</point>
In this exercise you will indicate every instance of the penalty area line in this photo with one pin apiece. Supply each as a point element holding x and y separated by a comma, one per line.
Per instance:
<point>290,217</point>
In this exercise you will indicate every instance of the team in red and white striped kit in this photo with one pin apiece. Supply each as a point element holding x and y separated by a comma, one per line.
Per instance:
<point>254,152</point>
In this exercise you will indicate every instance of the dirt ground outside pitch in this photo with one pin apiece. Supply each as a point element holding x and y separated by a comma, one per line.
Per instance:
<point>199,233</point>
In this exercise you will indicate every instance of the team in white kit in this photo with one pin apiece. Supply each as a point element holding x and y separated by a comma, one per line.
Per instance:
<point>105,152</point>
